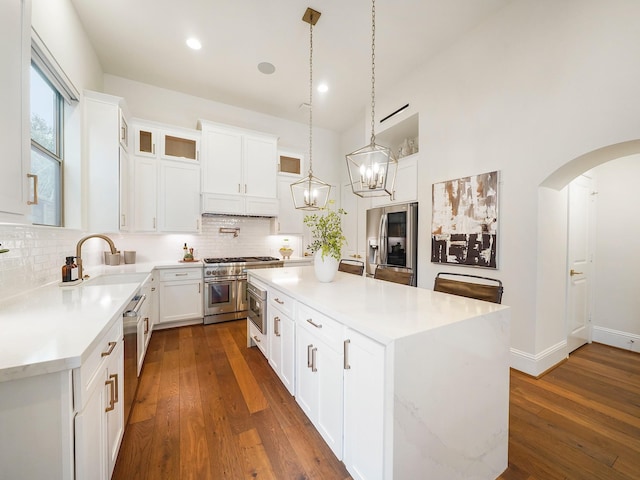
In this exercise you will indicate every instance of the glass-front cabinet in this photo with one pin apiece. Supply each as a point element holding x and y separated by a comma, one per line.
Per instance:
<point>170,144</point>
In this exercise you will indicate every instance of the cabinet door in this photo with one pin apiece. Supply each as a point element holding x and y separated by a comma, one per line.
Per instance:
<point>90,438</point>
<point>181,300</point>
<point>354,224</point>
<point>114,411</point>
<point>145,141</point>
<point>306,384</point>
<point>287,361</point>
<point>364,407</point>
<point>290,220</point>
<point>329,415</point>
<point>406,186</point>
<point>14,122</point>
<point>179,197</point>
<point>180,146</point>
<point>145,194</point>
<point>222,162</point>
<point>260,167</point>
<point>275,338</point>
<point>125,188</point>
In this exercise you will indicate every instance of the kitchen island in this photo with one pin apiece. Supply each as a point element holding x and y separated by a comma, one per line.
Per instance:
<point>422,376</point>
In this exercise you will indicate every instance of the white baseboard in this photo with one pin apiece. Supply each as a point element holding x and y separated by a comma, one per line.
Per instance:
<point>539,363</point>
<point>616,338</point>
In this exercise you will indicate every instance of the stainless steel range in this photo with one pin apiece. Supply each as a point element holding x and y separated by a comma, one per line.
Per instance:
<point>225,286</point>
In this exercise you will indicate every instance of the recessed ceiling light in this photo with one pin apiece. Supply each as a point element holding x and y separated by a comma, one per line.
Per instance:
<point>266,68</point>
<point>323,87</point>
<point>194,43</point>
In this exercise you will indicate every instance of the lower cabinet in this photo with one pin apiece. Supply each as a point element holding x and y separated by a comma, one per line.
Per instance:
<point>319,384</point>
<point>282,337</point>
<point>364,378</point>
<point>99,423</point>
<point>180,294</point>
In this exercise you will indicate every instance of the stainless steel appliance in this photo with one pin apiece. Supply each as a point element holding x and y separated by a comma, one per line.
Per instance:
<point>392,237</point>
<point>225,286</point>
<point>257,300</point>
<point>130,319</point>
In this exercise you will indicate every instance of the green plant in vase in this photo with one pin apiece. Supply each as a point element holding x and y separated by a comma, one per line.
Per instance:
<point>326,231</point>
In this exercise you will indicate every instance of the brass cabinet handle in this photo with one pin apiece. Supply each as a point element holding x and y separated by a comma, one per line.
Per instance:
<point>313,359</point>
<point>124,220</point>
<point>114,377</point>
<point>112,399</point>
<point>35,189</point>
<point>346,354</point>
<point>112,345</point>
<point>277,300</point>
<point>573,272</point>
<point>146,325</point>
<point>255,337</point>
<point>317,325</point>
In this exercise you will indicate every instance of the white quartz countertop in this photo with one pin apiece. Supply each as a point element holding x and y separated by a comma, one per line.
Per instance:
<point>381,310</point>
<point>53,328</point>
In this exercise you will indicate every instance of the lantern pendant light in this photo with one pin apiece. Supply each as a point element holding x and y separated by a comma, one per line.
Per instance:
<point>310,193</point>
<point>372,169</point>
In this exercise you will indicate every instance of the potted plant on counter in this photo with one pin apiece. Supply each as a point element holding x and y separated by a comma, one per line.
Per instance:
<point>328,239</point>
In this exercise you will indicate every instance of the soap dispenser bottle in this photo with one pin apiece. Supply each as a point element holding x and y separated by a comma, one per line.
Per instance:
<point>67,270</point>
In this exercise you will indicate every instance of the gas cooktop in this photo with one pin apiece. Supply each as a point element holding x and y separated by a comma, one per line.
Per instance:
<point>240,259</point>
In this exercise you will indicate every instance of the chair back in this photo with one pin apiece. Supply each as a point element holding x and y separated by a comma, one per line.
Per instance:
<point>478,288</point>
<point>392,273</point>
<point>351,266</point>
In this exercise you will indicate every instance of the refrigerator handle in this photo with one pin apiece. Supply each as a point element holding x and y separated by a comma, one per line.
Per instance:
<point>382,240</point>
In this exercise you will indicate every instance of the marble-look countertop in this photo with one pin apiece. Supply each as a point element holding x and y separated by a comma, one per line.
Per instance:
<point>384,311</point>
<point>53,328</point>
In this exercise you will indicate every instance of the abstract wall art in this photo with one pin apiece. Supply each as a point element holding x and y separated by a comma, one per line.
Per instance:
<point>464,223</point>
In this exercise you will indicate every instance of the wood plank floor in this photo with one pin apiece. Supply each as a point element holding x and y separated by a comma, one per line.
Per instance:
<point>209,408</point>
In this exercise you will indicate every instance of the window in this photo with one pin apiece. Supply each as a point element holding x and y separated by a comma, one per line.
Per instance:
<point>46,149</point>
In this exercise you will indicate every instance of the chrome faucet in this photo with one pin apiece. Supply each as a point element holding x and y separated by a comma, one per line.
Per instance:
<point>79,248</point>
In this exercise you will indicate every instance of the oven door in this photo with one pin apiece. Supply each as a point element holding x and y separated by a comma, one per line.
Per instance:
<point>220,295</point>
<point>256,311</point>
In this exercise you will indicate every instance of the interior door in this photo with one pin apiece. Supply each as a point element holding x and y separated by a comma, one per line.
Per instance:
<point>579,261</point>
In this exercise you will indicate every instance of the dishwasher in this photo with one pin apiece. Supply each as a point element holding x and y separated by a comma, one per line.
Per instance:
<point>130,319</point>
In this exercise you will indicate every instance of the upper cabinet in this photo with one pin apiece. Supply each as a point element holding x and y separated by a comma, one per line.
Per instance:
<point>239,169</point>
<point>166,178</point>
<point>15,43</point>
<point>405,188</point>
<point>169,143</point>
<point>106,157</point>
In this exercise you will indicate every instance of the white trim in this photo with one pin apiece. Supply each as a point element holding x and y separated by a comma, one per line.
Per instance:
<point>616,338</point>
<point>46,62</point>
<point>540,362</point>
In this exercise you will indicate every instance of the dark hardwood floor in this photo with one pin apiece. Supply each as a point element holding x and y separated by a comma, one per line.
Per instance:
<point>209,408</point>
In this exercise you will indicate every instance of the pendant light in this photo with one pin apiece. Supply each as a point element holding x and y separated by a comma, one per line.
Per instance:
<point>372,169</point>
<point>310,193</point>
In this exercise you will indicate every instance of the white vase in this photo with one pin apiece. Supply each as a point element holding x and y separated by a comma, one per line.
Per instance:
<point>325,268</point>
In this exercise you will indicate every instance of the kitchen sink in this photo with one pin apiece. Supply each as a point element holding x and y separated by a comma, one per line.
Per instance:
<point>115,279</point>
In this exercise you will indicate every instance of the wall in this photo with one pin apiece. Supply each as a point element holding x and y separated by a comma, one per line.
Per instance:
<point>539,84</point>
<point>616,315</point>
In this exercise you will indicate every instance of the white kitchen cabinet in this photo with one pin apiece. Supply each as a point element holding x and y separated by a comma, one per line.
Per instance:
<point>319,381</point>
<point>107,161</point>
<point>257,338</point>
<point>179,197</point>
<point>162,141</point>
<point>239,171</point>
<point>145,322</point>
<point>406,186</point>
<point>281,337</point>
<point>15,51</point>
<point>364,380</point>
<point>180,294</point>
<point>290,220</point>
<point>353,223</point>
<point>145,194</point>
<point>99,423</point>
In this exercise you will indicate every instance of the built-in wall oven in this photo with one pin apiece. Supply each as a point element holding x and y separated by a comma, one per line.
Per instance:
<point>225,286</point>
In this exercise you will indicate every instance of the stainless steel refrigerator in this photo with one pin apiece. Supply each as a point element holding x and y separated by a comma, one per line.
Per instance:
<point>392,237</point>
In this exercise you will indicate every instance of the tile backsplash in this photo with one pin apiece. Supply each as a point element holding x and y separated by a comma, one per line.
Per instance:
<point>36,254</point>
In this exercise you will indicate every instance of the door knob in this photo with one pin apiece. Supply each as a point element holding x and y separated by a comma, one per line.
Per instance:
<point>573,272</point>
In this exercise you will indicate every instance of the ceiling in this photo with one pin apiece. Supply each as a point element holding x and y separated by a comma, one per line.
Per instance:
<point>144,40</point>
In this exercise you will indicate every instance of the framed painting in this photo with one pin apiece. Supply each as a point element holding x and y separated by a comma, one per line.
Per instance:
<point>464,223</point>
